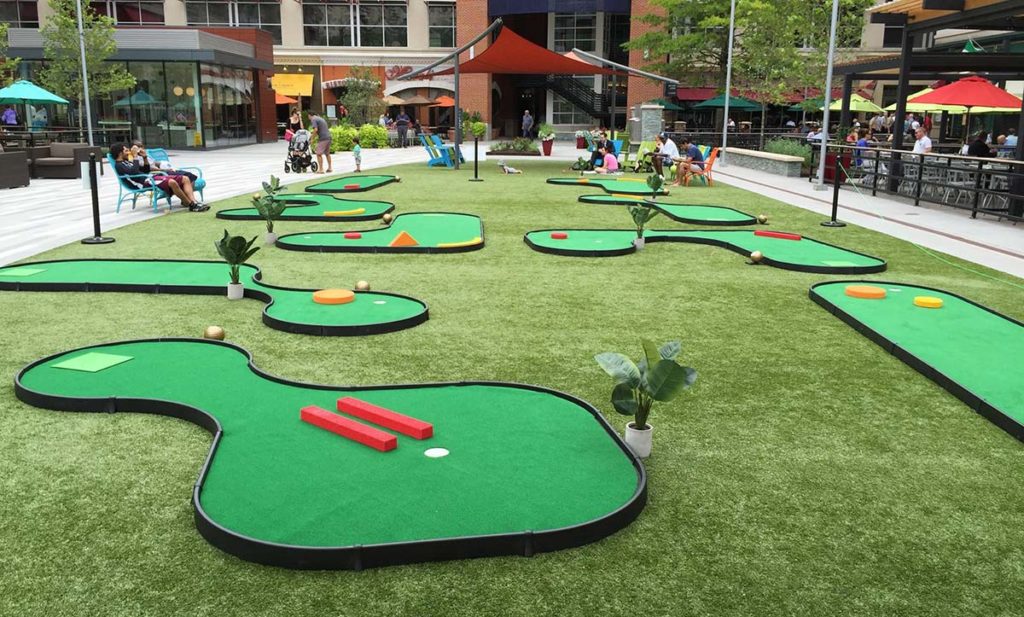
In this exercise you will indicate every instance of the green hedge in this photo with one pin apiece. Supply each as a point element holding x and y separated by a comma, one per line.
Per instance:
<point>790,147</point>
<point>370,136</point>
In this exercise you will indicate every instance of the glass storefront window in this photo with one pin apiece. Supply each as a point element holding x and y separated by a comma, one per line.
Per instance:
<point>19,13</point>
<point>228,111</point>
<point>131,12</point>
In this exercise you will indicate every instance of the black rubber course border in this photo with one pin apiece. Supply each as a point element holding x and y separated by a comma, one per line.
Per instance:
<point>296,199</point>
<point>207,290</point>
<point>319,248</point>
<point>618,201</point>
<point>698,240</point>
<point>596,182</point>
<point>357,557</point>
<point>976,403</point>
<point>314,188</point>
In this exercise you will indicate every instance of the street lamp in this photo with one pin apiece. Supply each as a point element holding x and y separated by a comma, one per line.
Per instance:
<point>85,73</point>
<point>820,186</point>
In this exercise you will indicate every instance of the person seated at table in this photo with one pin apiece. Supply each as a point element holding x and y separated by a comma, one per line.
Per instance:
<point>136,175</point>
<point>979,147</point>
<point>1011,137</point>
<point>852,136</point>
<point>923,145</point>
<point>609,162</point>
<point>601,142</point>
<point>666,151</point>
<point>691,162</point>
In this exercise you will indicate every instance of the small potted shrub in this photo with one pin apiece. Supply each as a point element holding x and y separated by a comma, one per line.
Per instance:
<point>581,140</point>
<point>235,250</point>
<point>643,213</point>
<point>657,377</point>
<point>546,132</point>
<point>269,207</point>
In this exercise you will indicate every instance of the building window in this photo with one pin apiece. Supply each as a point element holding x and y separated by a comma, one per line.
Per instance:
<point>575,31</point>
<point>564,112</point>
<point>19,14</point>
<point>328,23</point>
<point>254,14</point>
<point>131,12</point>
<point>893,36</point>
<point>441,24</point>
<point>383,25</point>
<point>342,23</point>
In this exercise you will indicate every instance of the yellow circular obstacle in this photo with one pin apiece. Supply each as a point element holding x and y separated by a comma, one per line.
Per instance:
<point>928,302</point>
<point>334,296</point>
<point>866,292</point>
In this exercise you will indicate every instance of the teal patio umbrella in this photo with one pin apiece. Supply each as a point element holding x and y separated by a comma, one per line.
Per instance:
<point>736,103</point>
<point>24,92</point>
<point>139,98</point>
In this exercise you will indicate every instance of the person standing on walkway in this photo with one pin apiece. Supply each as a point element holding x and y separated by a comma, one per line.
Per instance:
<point>323,141</point>
<point>402,128</point>
<point>527,124</point>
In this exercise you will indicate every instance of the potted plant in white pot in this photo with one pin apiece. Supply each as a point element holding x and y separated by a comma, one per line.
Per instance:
<point>235,250</point>
<point>269,207</point>
<point>657,377</point>
<point>546,132</point>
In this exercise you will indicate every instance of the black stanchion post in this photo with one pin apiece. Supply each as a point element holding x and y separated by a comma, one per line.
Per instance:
<point>97,235</point>
<point>835,192</point>
<point>476,160</point>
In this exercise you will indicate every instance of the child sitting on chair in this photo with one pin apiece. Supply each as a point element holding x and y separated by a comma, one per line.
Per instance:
<point>505,169</point>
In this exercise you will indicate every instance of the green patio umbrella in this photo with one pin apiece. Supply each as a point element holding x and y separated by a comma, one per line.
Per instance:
<point>736,103</point>
<point>27,93</point>
<point>669,105</point>
<point>810,105</point>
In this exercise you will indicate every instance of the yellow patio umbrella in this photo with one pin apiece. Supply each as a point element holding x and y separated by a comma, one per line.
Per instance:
<point>858,104</point>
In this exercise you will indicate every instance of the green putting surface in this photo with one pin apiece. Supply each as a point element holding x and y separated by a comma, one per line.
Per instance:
<point>432,231</point>
<point>625,186</point>
<point>315,207</point>
<point>289,309</point>
<point>684,213</point>
<point>520,459</point>
<point>963,342</point>
<point>351,184</point>
<point>807,254</point>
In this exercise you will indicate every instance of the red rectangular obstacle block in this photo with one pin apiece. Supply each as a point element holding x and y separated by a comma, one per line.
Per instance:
<point>777,234</point>
<point>395,421</point>
<point>350,429</point>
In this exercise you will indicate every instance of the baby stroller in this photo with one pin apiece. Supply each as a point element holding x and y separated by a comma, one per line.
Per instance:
<point>299,156</point>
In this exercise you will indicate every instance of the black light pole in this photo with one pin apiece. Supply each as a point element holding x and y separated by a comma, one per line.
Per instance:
<point>476,160</point>
<point>835,194</point>
<point>97,235</point>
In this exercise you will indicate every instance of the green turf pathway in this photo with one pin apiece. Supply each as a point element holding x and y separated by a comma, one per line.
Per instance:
<point>314,206</point>
<point>430,230</point>
<point>684,213</point>
<point>519,459</point>
<point>623,186</point>
<point>806,255</point>
<point>976,348</point>
<point>357,184</point>
<point>289,309</point>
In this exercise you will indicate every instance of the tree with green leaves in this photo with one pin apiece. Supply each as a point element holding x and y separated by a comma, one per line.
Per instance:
<point>362,96</point>
<point>62,72</point>
<point>8,66</point>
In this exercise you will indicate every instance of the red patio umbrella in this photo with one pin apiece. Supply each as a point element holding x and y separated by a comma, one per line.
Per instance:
<point>970,92</point>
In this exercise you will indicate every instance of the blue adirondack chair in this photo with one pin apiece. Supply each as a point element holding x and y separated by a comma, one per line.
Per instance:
<point>160,155</point>
<point>436,156</point>
<point>126,190</point>
<point>447,147</point>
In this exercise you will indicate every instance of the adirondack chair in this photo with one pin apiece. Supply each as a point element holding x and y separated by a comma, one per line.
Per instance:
<point>126,190</point>
<point>642,162</point>
<point>160,156</point>
<point>449,147</point>
<point>705,174</point>
<point>436,157</point>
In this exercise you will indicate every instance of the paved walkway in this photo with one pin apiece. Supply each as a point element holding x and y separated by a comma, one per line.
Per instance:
<point>51,213</point>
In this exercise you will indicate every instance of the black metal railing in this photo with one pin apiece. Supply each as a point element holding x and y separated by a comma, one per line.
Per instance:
<point>21,139</point>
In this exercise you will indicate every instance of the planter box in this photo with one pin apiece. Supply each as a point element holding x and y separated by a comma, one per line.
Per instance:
<point>779,164</point>
<point>581,143</point>
<point>512,153</point>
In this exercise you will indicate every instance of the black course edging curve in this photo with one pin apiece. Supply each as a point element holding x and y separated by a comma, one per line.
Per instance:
<point>698,240</point>
<point>973,401</point>
<point>358,557</point>
<point>207,290</point>
<point>432,250</point>
<point>657,206</point>
<point>309,218</point>
<point>313,188</point>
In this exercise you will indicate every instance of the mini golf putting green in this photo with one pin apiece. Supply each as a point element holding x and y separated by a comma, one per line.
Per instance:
<point>968,349</point>
<point>527,469</point>
<point>288,309</point>
<point>623,186</point>
<point>314,207</point>
<point>351,184</point>
<point>433,232</point>
<point>806,255</point>
<point>684,213</point>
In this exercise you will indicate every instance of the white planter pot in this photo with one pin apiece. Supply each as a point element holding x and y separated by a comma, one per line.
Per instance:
<point>235,291</point>
<point>639,441</point>
<point>271,238</point>
<point>639,243</point>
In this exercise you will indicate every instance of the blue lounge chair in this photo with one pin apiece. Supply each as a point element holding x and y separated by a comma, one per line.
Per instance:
<point>126,190</point>
<point>446,147</point>
<point>437,157</point>
<point>160,155</point>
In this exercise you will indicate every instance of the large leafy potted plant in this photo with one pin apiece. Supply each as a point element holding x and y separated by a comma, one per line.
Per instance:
<point>269,207</point>
<point>235,250</point>
<point>657,377</point>
<point>546,132</point>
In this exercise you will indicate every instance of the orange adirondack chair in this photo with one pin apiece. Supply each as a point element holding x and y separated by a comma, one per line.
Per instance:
<point>705,175</point>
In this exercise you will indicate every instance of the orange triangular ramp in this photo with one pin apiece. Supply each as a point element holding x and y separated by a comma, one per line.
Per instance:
<point>404,239</point>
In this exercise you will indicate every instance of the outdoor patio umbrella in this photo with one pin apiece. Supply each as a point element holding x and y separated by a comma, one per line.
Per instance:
<point>669,105</point>
<point>971,92</point>
<point>809,105</point>
<point>858,104</point>
<point>444,101</point>
<point>280,99</point>
<point>26,93</point>
<point>920,108</point>
<point>140,98</point>
<point>391,99</point>
<point>418,100</point>
<point>736,103</point>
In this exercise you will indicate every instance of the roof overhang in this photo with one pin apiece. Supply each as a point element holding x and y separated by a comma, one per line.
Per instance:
<point>929,15</point>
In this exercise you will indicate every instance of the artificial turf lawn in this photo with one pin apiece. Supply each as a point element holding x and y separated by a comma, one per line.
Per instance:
<point>961,340</point>
<point>807,473</point>
<point>805,252</point>
<point>314,207</point>
<point>348,184</point>
<point>428,229</point>
<point>294,306</point>
<point>683,213</point>
<point>520,460</point>
<point>629,185</point>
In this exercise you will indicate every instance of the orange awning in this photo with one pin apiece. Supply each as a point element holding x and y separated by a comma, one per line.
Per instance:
<point>444,101</point>
<point>280,99</point>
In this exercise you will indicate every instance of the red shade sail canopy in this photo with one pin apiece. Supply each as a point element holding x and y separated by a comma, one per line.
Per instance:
<point>512,54</point>
<point>969,92</point>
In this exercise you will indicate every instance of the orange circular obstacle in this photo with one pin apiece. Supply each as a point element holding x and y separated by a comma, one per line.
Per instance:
<point>928,302</point>
<point>867,292</point>
<point>334,296</point>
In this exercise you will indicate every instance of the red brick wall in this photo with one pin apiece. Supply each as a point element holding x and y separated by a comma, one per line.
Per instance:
<point>266,110</point>
<point>475,90</point>
<point>642,90</point>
